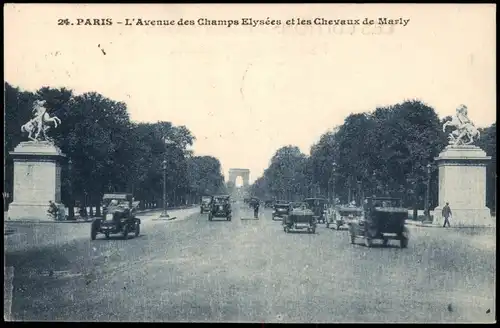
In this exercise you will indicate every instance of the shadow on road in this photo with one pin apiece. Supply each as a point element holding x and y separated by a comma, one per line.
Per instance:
<point>118,237</point>
<point>303,232</point>
<point>377,245</point>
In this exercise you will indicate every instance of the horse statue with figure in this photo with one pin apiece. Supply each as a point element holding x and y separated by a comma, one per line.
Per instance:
<point>464,128</point>
<point>39,123</point>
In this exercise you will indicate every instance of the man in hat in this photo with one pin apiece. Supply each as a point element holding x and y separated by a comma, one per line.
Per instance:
<point>446,214</point>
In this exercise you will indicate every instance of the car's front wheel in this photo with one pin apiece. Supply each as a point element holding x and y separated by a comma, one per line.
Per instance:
<point>125,232</point>
<point>403,242</point>
<point>137,231</point>
<point>93,232</point>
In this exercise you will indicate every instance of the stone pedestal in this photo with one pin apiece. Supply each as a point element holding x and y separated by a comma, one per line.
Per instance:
<point>462,183</point>
<point>37,180</point>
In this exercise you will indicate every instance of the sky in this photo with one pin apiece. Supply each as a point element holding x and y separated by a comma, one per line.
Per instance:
<point>246,91</point>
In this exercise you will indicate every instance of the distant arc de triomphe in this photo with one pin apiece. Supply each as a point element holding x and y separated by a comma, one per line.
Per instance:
<point>243,173</point>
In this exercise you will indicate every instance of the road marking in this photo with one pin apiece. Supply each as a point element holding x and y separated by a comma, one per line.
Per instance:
<point>60,274</point>
<point>8,288</point>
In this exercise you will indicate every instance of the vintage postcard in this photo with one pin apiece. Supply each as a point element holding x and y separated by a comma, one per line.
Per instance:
<point>262,163</point>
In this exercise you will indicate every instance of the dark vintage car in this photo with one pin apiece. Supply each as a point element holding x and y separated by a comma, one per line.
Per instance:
<point>118,217</point>
<point>300,218</point>
<point>281,210</point>
<point>343,215</point>
<point>318,206</point>
<point>220,208</point>
<point>205,204</point>
<point>384,219</point>
<point>269,203</point>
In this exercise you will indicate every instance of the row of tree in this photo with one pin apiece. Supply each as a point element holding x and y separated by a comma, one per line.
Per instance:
<point>383,152</point>
<point>110,153</point>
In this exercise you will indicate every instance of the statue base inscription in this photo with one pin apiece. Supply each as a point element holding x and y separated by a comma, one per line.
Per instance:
<point>462,184</point>
<point>37,180</point>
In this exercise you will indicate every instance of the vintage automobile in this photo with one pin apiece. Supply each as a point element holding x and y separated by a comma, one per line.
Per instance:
<point>118,217</point>
<point>269,203</point>
<point>220,208</point>
<point>205,204</point>
<point>318,206</point>
<point>300,218</point>
<point>384,219</point>
<point>281,210</point>
<point>344,215</point>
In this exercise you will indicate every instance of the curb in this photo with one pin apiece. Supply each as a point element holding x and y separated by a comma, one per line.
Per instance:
<point>165,219</point>
<point>46,221</point>
<point>430,225</point>
<point>24,221</point>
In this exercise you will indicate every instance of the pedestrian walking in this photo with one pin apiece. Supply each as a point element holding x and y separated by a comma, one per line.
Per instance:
<point>446,214</point>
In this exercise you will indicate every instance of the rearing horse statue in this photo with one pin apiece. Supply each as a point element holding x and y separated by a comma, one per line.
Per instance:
<point>40,122</point>
<point>464,127</point>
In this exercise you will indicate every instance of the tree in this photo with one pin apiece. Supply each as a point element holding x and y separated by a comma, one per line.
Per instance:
<point>408,137</point>
<point>384,152</point>
<point>286,176</point>
<point>109,153</point>
<point>150,150</point>
<point>205,176</point>
<point>487,142</point>
<point>18,105</point>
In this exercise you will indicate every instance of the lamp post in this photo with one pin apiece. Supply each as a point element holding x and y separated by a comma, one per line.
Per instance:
<point>427,193</point>
<point>164,214</point>
<point>71,208</point>
<point>375,183</point>
<point>359,193</point>
<point>332,181</point>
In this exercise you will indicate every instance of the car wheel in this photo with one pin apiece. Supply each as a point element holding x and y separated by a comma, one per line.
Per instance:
<point>403,242</point>
<point>93,232</point>
<point>125,232</point>
<point>137,229</point>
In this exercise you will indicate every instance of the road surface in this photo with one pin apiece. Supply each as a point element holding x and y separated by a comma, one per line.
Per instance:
<point>249,270</point>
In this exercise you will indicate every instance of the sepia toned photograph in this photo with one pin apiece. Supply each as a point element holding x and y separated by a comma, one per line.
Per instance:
<point>250,163</point>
